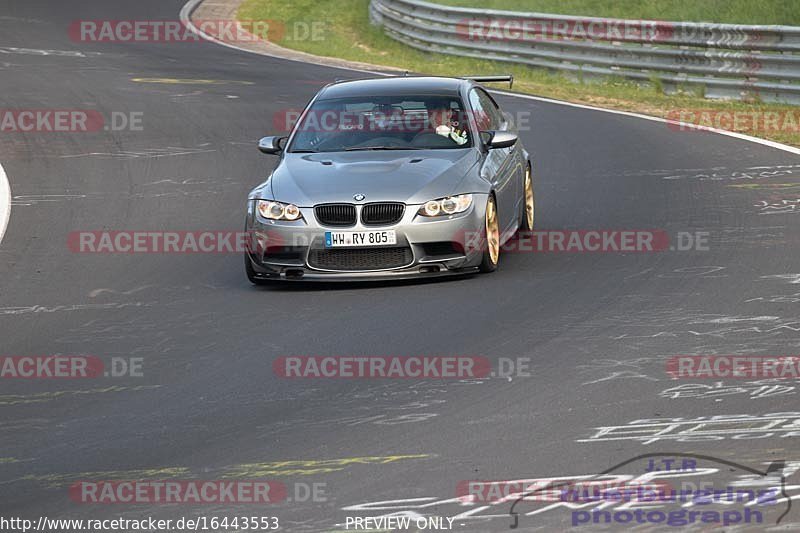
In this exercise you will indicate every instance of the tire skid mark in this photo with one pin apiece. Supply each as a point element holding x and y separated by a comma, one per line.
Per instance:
<point>33,309</point>
<point>55,481</point>
<point>40,52</point>
<point>250,471</point>
<point>18,399</point>
<point>310,467</point>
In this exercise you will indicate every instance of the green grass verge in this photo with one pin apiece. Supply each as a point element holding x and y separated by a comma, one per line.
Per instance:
<point>731,11</point>
<point>347,34</point>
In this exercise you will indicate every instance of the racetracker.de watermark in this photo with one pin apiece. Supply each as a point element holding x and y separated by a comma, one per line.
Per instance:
<point>175,31</point>
<point>734,366</point>
<point>68,121</point>
<point>591,241</point>
<point>410,367</point>
<point>165,242</point>
<point>530,29</point>
<point>400,367</point>
<point>69,367</point>
<point>697,120</point>
<point>202,492</point>
<point>555,490</point>
<point>395,121</point>
<point>534,29</point>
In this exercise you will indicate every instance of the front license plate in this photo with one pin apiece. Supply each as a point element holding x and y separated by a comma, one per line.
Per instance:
<point>337,239</point>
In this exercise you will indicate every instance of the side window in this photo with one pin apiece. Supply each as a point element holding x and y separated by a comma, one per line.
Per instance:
<point>496,118</point>
<point>482,116</point>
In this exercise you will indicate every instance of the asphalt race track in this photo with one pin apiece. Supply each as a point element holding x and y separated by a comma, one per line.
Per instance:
<point>596,328</point>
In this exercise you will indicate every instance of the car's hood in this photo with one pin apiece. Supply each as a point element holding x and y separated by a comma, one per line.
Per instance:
<point>412,177</point>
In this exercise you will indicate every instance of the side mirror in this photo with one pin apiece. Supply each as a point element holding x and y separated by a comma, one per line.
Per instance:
<point>271,145</point>
<point>500,139</point>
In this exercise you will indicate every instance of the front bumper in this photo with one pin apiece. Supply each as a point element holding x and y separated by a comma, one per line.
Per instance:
<point>425,248</point>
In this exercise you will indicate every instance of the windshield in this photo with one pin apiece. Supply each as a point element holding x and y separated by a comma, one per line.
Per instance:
<point>383,123</point>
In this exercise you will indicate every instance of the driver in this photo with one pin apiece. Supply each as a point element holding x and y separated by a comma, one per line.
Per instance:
<point>444,121</point>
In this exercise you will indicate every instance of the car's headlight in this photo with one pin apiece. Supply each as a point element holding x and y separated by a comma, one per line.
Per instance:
<point>278,211</point>
<point>446,206</point>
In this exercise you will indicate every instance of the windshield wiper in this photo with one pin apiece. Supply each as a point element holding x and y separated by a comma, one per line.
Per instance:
<point>360,148</point>
<point>304,151</point>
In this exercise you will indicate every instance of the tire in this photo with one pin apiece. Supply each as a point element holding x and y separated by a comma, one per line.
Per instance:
<point>251,273</point>
<point>491,255</point>
<point>529,202</point>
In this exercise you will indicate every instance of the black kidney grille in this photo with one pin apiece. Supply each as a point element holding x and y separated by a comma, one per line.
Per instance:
<point>340,215</point>
<point>360,259</point>
<point>382,214</point>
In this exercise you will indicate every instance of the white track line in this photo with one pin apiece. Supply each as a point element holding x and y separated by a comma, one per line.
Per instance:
<point>688,126</point>
<point>191,5</point>
<point>5,202</point>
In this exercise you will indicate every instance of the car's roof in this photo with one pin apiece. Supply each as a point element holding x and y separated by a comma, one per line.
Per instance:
<point>411,85</point>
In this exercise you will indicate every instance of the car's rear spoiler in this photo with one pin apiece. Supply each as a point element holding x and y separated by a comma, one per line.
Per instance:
<point>492,79</point>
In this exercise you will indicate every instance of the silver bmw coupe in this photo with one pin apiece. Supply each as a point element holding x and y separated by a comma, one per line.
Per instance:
<point>391,178</point>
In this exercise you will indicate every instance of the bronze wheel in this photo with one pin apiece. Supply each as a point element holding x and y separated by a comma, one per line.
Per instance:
<point>530,203</point>
<point>491,255</point>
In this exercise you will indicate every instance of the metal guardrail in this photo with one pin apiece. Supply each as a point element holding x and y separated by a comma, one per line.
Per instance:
<point>723,60</point>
